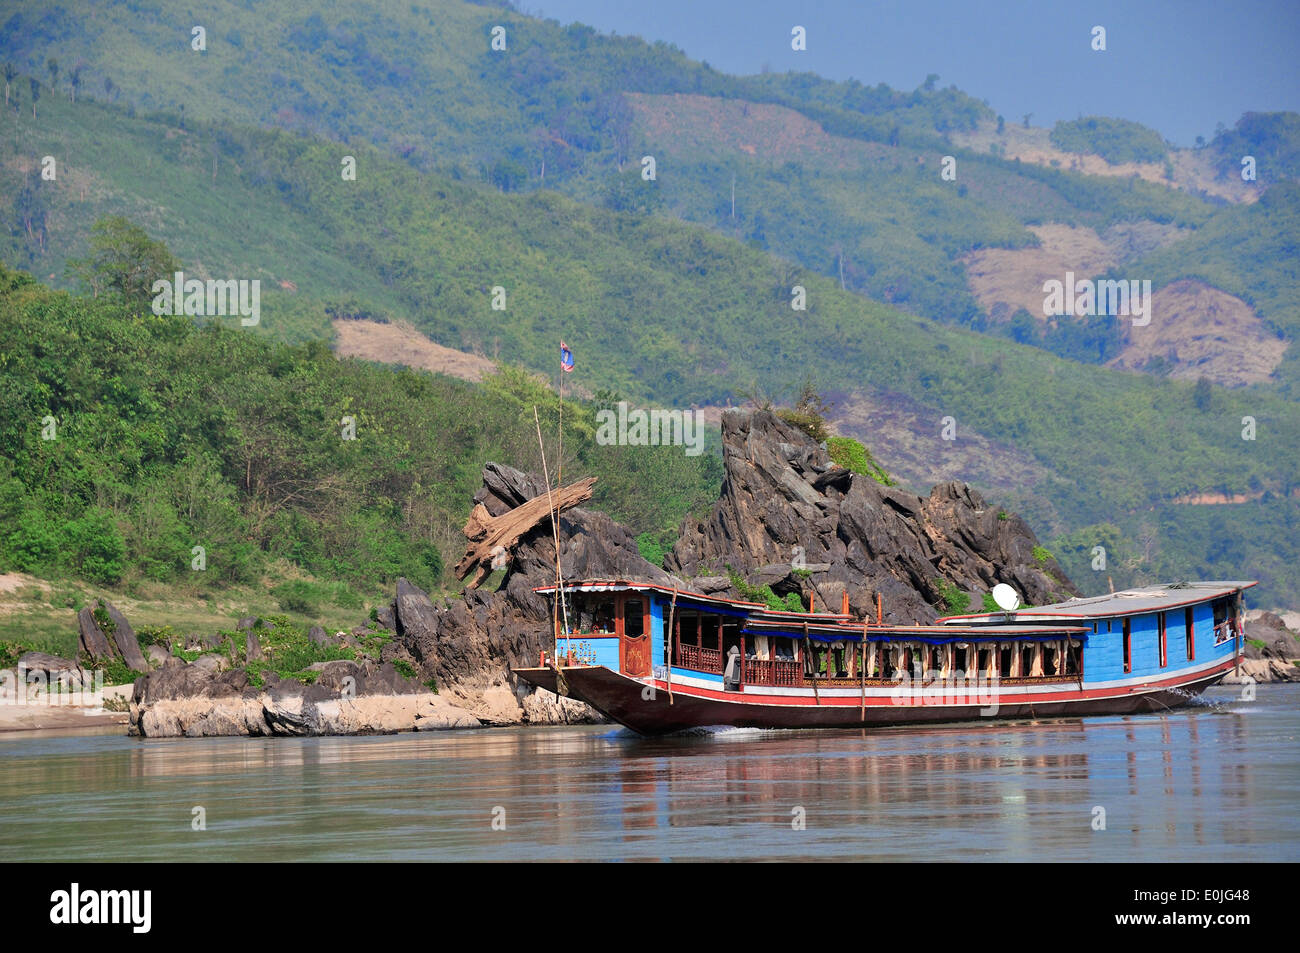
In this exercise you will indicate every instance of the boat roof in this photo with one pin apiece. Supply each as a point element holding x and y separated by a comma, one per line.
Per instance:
<point>1135,601</point>
<point>624,585</point>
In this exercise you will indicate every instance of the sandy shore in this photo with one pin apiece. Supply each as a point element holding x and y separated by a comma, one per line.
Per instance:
<point>64,717</point>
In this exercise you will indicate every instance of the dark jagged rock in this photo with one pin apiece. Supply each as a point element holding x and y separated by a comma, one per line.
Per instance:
<point>124,638</point>
<point>102,645</point>
<point>252,647</point>
<point>91,641</point>
<point>469,644</point>
<point>786,507</point>
<point>417,622</point>
<point>317,637</point>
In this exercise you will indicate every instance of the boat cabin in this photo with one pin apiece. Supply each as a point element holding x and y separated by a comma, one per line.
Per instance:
<point>647,630</point>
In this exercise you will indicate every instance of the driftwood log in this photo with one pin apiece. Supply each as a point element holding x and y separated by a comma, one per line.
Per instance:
<point>486,532</point>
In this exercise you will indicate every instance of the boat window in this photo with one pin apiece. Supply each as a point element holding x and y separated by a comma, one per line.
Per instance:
<point>960,656</point>
<point>604,616</point>
<point>1128,645</point>
<point>1071,658</point>
<point>710,631</point>
<point>1108,622</point>
<point>984,660</point>
<point>1050,654</point>
<point>1189,626</point>
<point>1160,623</point>
<point>1004,661</point>
<point>783,648</point>
<point>1026,661</point>
<point>633,618</point>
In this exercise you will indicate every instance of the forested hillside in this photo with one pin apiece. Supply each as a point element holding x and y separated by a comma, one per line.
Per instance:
<point>478,171</point>
<point>128,439</point>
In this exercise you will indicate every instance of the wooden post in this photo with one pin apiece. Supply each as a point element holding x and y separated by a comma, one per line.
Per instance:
<point>844,602</point>
<point>862,669</point>
<point>807,647</point>
<point>670,635</point>
<point>880,610</point>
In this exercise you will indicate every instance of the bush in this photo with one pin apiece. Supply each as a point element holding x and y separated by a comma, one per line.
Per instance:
<point>96,549</point>
<point>851,455</point>
<point>808,413</point>
<point>953,597</point>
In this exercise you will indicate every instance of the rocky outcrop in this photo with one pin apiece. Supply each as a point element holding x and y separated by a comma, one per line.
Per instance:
<point>469,644</point>
<point>1263,670</point>
<point>790,518</point>
<point>111,639</point>
<point>199,700</point>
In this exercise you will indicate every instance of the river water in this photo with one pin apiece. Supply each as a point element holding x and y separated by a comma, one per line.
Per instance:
<point>1216,781</point>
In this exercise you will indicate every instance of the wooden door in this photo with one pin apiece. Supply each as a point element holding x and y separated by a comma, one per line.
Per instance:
<point>634,635</point>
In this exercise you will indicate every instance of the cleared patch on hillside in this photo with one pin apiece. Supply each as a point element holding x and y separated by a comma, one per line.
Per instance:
<point>1005,280</point>
<point>905,438</point>
<point>709,124</point>
<point>399,343</point>
<point>1199,331</point>
<point>1193,171</point>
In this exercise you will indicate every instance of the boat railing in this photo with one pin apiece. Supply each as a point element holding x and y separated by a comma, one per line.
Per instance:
<point>699,659</point>
<point>785,673</point>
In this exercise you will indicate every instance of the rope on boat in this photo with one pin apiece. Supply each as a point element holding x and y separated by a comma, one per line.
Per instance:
<point>671,637</point>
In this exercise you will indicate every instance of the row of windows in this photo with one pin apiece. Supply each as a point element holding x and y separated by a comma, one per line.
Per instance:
<point>1189,638</point>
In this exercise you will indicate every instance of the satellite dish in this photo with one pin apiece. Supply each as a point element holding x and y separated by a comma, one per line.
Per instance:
<point>1006,597</point>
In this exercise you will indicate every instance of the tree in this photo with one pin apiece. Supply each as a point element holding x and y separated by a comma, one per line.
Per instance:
<point>1202,394</point>
<point>123,261</point>
<point>74,80</point>
<point>10,72</point>
<point>53,66</point>
<point>36,93</point>
<point>1002,124</point>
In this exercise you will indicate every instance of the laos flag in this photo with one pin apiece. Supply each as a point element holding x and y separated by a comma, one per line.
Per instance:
<point>566,357</point>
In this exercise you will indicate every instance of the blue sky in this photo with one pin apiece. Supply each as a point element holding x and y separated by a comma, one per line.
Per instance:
<point>1179,66</point>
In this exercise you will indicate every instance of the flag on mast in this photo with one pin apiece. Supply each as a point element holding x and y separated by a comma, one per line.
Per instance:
<point>566,358</point>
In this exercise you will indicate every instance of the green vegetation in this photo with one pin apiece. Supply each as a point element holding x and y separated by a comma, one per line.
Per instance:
<point>286,651</point>
<point>990,604</point>
<point>1042,556</point>
<point>955,601</point>
<point>852,455</point>
<point>1115,140</point>
<point>451,200</point>
<point>171,436</point>
<point>764,594</point>
<point>1272,138</point>
<point>808,413</point>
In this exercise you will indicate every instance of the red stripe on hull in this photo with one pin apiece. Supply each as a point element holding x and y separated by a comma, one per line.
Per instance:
<point>625,700</point>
